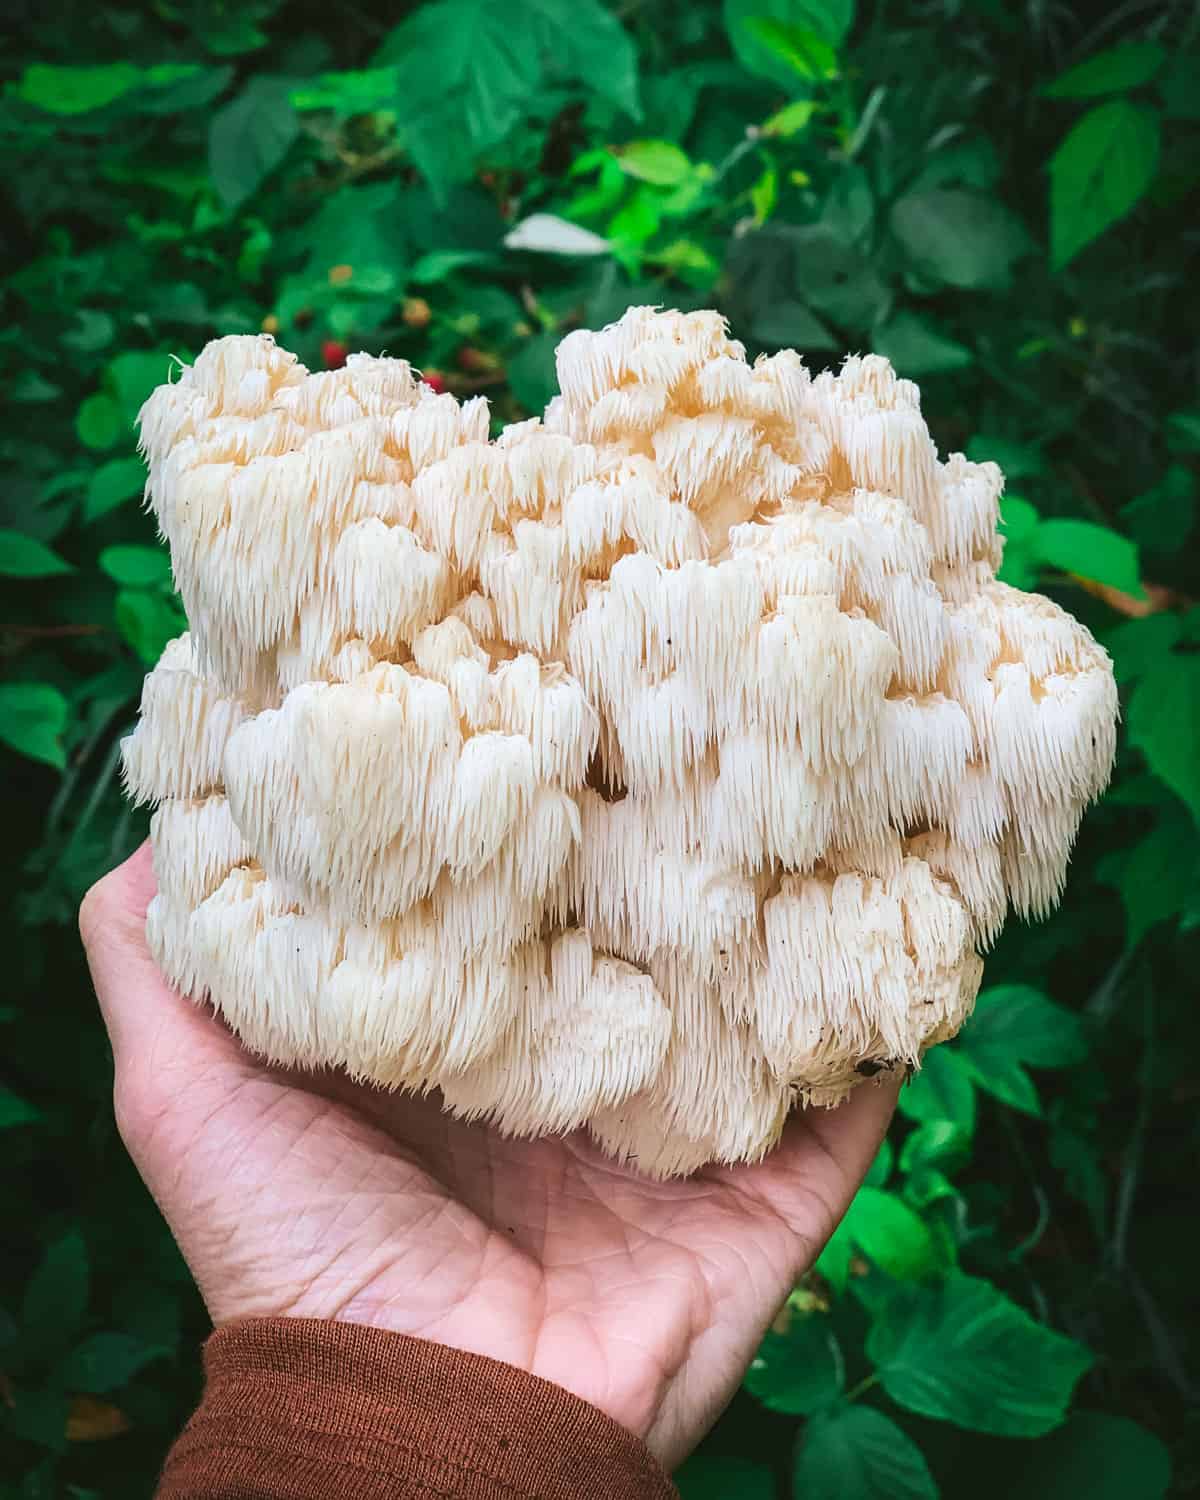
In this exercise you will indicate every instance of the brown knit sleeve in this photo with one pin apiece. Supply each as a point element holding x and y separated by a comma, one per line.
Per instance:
<point>298,1409</point>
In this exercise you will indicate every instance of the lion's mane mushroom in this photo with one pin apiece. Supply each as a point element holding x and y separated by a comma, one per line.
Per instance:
<point>660,764</point>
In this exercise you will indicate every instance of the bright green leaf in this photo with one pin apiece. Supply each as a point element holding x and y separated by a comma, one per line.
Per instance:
<point>940,1143</point>
<point>354,93</point>
<point>131,377</point>
<point>137,567</point>
<point>148,621</point>
<point>799,48</point>
<point>916,346</point>
<point>881,1168</point>
<point>1163,714</point>
<point>828,19</point>
<point>99,422</point>
<point>959,238</point>
<point>941,1090</point>
<point>111,485</point>
<point>791,119</point>
<point>24,556</point>
<point>883,1227</point>
<point>33,716</point>
<point>656,162</point>
<point>105,1362</point>
<point>1092,552</point>
<point>959,1351</point>
<point>854,1452</point>
<point>250,136</point>
<point>800,1370</point>
<point>1124,66</point>
<point>1098,173</point>
<point>75,91</point>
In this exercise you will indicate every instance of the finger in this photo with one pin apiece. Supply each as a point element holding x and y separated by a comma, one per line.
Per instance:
<point>144,1016</point>
<point>809,1179</point>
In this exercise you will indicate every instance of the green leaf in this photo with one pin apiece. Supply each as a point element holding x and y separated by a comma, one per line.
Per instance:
<point>1156,877</point>
<point>137,567</point>
<point>16,1111</point>
<point>656,162</point>
<point>24,556</point>
<point>99,422</point>
<point>942,1090</point>
<point>959,238</point>
<point>799,48</point>
<point>148,622</point>
<point>75,91</point>
<point>828,19</point>
<point>33,716</point>
<point>1099,172</point>
<point>354,93</point>
<point>856,1453</point>
<point>916,346</point>
<point>883,1227</point>
<point>959,1351</point>
<point>1090,551</point>
<point>56,1297</point>
<point>1138,646</point>
<point>467,70</point>
<point>881,1168</point>
<point>1016,1024</point>
<point>38,1416</point>
<point>1018,460</point>
<point>105,1362</point>
<point>1183,431</point>
<point>1124,66</point>
<point>112,484</point>
<point>250,136</point>
<point>798,1371</point>
<point>1097,1455</point>
<point>132,377</point>
<point>791,119</point>
<point>532,374</point>
<point>437,265</point>
<point>718,1477</point>
<point>936,1143</point>
<point>1161,518</point>
<point>1163,714</point>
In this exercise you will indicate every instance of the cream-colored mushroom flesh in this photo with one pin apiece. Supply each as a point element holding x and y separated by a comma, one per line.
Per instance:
<point>663,763</point>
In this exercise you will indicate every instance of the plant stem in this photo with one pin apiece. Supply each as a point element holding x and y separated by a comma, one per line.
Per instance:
<point>863,1385</point>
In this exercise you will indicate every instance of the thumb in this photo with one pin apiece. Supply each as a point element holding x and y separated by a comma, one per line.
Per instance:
<point>144,1016</point>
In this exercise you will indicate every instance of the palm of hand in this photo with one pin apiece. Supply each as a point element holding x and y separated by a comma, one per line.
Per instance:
<point>309,1196</point>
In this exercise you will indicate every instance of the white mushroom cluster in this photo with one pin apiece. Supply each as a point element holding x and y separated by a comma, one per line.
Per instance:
<point>660,764</point>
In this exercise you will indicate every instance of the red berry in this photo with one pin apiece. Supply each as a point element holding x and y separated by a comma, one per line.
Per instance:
<point>334,353</point>
<point>435,380</point>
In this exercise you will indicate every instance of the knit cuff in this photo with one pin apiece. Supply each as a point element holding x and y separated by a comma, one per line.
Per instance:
<point>301,1409</point>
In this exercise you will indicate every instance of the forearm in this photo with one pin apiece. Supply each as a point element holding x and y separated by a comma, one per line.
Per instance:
<point>296,1409</point>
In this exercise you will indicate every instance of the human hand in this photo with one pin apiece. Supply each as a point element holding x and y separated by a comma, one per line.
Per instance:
<point>306,1195</point>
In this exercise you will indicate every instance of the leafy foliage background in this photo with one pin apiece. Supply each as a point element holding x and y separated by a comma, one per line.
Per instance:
<point>1002,199</point>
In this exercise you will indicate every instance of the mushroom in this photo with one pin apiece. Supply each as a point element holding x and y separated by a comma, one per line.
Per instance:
<point>664,763</point>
